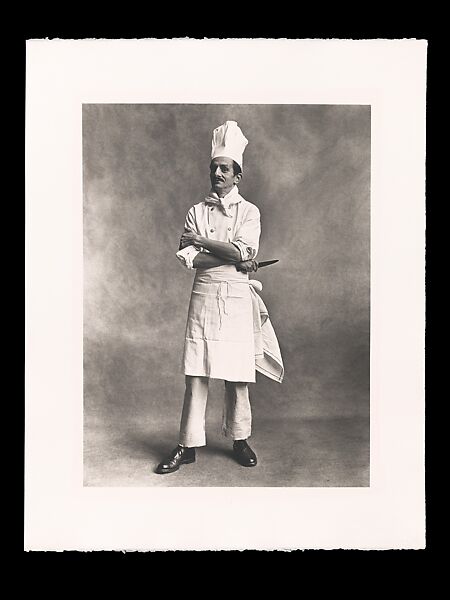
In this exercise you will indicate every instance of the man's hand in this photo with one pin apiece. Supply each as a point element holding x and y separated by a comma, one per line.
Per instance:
<point>189,239</point>
<point>247,266</point>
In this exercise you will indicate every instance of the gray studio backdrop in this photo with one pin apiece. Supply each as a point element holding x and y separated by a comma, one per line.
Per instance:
<point>307,168</point>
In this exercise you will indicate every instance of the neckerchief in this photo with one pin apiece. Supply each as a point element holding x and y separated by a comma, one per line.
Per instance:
<point>224,203</point>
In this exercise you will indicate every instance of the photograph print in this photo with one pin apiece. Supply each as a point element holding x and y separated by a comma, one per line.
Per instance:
<point>226,295</point>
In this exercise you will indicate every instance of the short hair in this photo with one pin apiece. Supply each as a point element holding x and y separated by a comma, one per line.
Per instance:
<point>236,168</point>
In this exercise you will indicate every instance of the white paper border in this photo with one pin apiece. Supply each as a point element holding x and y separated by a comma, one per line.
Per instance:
<point>61,76</point>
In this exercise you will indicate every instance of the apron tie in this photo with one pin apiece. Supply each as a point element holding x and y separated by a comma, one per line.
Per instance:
<point>222,298</point>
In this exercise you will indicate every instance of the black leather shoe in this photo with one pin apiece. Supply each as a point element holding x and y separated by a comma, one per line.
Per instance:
<point>179,456</point>
<point>244,454</point>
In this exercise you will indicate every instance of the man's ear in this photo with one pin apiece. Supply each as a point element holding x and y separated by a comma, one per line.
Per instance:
<point>237,178</point>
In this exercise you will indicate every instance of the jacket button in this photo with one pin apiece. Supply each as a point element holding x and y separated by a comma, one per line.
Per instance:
<point>229,228</point>
<point>212,230</point>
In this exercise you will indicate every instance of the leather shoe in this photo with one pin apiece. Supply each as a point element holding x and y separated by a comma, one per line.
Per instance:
<point>244,454</point>
<point>179,456</point>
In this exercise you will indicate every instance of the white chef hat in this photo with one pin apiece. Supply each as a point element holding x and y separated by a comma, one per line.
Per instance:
<point>228,140</point>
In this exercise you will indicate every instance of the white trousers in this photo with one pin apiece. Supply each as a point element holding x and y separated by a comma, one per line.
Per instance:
<point>236,419</point>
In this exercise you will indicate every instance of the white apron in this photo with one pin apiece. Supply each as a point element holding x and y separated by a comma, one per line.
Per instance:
<point>219,341</point>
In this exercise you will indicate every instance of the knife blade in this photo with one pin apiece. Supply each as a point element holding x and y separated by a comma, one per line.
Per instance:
<point>265,263</point>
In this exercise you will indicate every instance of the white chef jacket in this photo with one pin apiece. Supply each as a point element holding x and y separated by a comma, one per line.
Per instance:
<point>242,227</point>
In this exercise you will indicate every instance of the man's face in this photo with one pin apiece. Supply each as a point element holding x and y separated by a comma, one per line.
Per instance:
<point>222,175</point>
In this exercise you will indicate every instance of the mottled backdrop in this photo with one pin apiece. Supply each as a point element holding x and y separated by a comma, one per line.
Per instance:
<point>308,170</point>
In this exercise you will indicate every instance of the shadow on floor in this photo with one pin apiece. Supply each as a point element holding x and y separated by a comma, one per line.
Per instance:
<point>303,453</point>
<point>157,447</point>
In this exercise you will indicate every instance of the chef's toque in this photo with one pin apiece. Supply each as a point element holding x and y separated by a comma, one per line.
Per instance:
<point>228,140</point>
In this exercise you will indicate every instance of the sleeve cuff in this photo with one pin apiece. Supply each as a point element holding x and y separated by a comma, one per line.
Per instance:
<point>186,256</point>
<point>247,252</point>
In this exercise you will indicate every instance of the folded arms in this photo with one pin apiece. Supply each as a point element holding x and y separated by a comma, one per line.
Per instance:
<point>196,251</point>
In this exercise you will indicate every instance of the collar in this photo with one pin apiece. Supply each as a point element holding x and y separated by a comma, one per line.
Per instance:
<point>224,203</point>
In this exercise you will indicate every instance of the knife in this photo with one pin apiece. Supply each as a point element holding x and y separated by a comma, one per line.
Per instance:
<point>265,263</point>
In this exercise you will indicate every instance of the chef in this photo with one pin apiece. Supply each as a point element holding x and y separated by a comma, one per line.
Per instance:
<point>228,333</point>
